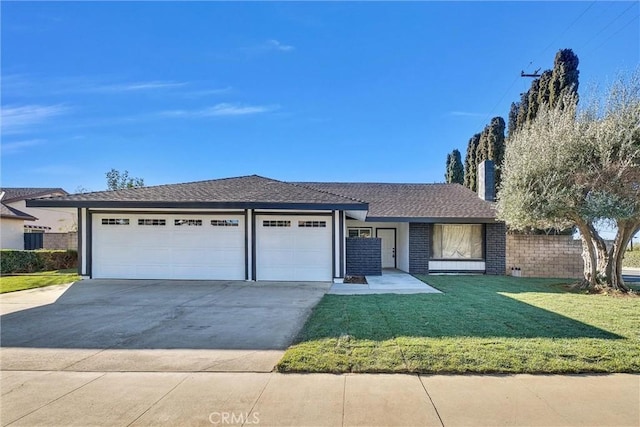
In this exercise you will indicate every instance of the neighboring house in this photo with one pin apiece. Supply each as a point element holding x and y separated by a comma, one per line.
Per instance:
<point>256,228</point>
<point>12,226</point>
<point>40,220</point>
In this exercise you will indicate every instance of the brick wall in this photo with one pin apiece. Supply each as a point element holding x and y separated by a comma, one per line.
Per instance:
<point>495,262</point>
<point>60,241</point>
<point>544,256</point>
<point>364,256</point>
<point>419,246</point>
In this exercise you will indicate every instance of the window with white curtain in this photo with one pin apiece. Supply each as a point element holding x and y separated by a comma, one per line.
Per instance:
<point>457,241</point>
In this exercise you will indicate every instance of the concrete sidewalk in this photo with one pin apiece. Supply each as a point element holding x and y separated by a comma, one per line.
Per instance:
<point>271,399</point>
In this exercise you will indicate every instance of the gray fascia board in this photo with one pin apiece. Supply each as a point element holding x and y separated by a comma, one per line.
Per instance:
<point>433,220</point>
<point>41,203</point>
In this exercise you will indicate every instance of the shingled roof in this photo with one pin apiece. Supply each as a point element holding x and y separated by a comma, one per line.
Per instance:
<point>242,192</point>
<point>13,213</point>
<point>13,194</point>
<point>384,201</point>
<point>425,202</point>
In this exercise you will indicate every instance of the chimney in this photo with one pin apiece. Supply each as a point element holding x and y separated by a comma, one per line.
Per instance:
<point>487,181</point>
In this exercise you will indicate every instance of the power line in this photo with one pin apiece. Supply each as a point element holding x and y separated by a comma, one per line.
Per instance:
<point>567,28</point>
<point>541,53</point>
<point>608,25</point>
<point>616,33</point>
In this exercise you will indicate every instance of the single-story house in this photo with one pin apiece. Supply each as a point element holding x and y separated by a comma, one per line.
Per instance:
<point>257,228</point>
<point>39,220</point>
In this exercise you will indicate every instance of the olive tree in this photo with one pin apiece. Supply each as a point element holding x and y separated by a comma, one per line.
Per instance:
<point>117,180</point>
<point>568,168</point>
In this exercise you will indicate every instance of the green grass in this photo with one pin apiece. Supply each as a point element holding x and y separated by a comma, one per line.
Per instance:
<point>37,280</point>
<point>480,324</point>
<point>632,258</point>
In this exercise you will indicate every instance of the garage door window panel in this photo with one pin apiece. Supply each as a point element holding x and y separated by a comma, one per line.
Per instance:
<point>154,222</point>
<point>225,222</point>
<point>187,222</point>
<point>115,221</point>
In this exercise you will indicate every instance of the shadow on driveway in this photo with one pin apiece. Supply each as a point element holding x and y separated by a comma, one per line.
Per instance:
<point>233,318</point>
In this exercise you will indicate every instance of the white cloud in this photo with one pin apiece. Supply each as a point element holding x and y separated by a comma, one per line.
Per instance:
<point>17,119</point>
<point>139,86</point>
<point>276,45</point>
<point>221,110</point>
<point>19,146</point>
<point>466,114</point>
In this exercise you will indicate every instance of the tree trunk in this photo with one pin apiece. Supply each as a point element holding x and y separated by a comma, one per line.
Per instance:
<point>589,256</point>
<point>626,230</point>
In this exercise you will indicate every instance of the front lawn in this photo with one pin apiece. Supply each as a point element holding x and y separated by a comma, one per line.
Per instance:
<point>479,324</point>
<point>37,280</point>
<point>632,258</point>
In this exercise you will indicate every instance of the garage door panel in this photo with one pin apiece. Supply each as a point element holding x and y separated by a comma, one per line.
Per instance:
<point>310,258</point>
<point>170,251</point>
<point>293,252</point>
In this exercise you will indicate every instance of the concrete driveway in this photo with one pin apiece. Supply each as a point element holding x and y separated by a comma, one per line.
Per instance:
<point>153,325</point>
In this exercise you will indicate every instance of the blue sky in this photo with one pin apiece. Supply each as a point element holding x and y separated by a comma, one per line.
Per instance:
<point>178,92</point>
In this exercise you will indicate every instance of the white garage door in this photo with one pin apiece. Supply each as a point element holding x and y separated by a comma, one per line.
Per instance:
<point>293,248</point>
<point>156,246</point>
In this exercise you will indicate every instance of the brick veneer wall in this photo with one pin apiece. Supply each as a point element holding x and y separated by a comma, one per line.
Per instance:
<point>60,241</point>
<point>544,256</point>
<point>364,256</point>
<point>496,246</point>
<point>419,247</point>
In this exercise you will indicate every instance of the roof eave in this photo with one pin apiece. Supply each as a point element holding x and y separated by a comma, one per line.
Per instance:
<point>434,220</point>
<point>106,204</point>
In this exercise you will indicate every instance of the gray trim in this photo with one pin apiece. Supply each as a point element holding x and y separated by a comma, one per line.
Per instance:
<point>43,203</point>
<point>89,244</point>
<point>395,244</point>
<point>246,244</point>
<point>80,247</point>
<point>342,252</point>
<point>432,220</point>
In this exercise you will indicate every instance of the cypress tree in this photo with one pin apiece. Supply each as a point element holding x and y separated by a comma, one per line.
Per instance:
<point>495,145</point>
<point>455,170</point>
<point>532,109</point>
<point>470,162</point>
<point>523,111</point>
<point>447,169</point>
<point>513,117</point>
<point>564,77</point>
<point>545,88</point>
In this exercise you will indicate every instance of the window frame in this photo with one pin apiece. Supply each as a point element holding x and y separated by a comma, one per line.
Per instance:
<point>483,242</point>
<point>114,221</point>
<point>360,229</point>
<point>152,222</point>
<point>276,223</point>
<point>225,222</point>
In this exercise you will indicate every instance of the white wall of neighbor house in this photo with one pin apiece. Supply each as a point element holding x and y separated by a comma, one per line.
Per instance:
<point>402,238</point>
<point>59,220</point>
<point>11,233</point>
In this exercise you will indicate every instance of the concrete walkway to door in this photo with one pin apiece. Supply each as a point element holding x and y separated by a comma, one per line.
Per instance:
<point>391,282</point>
